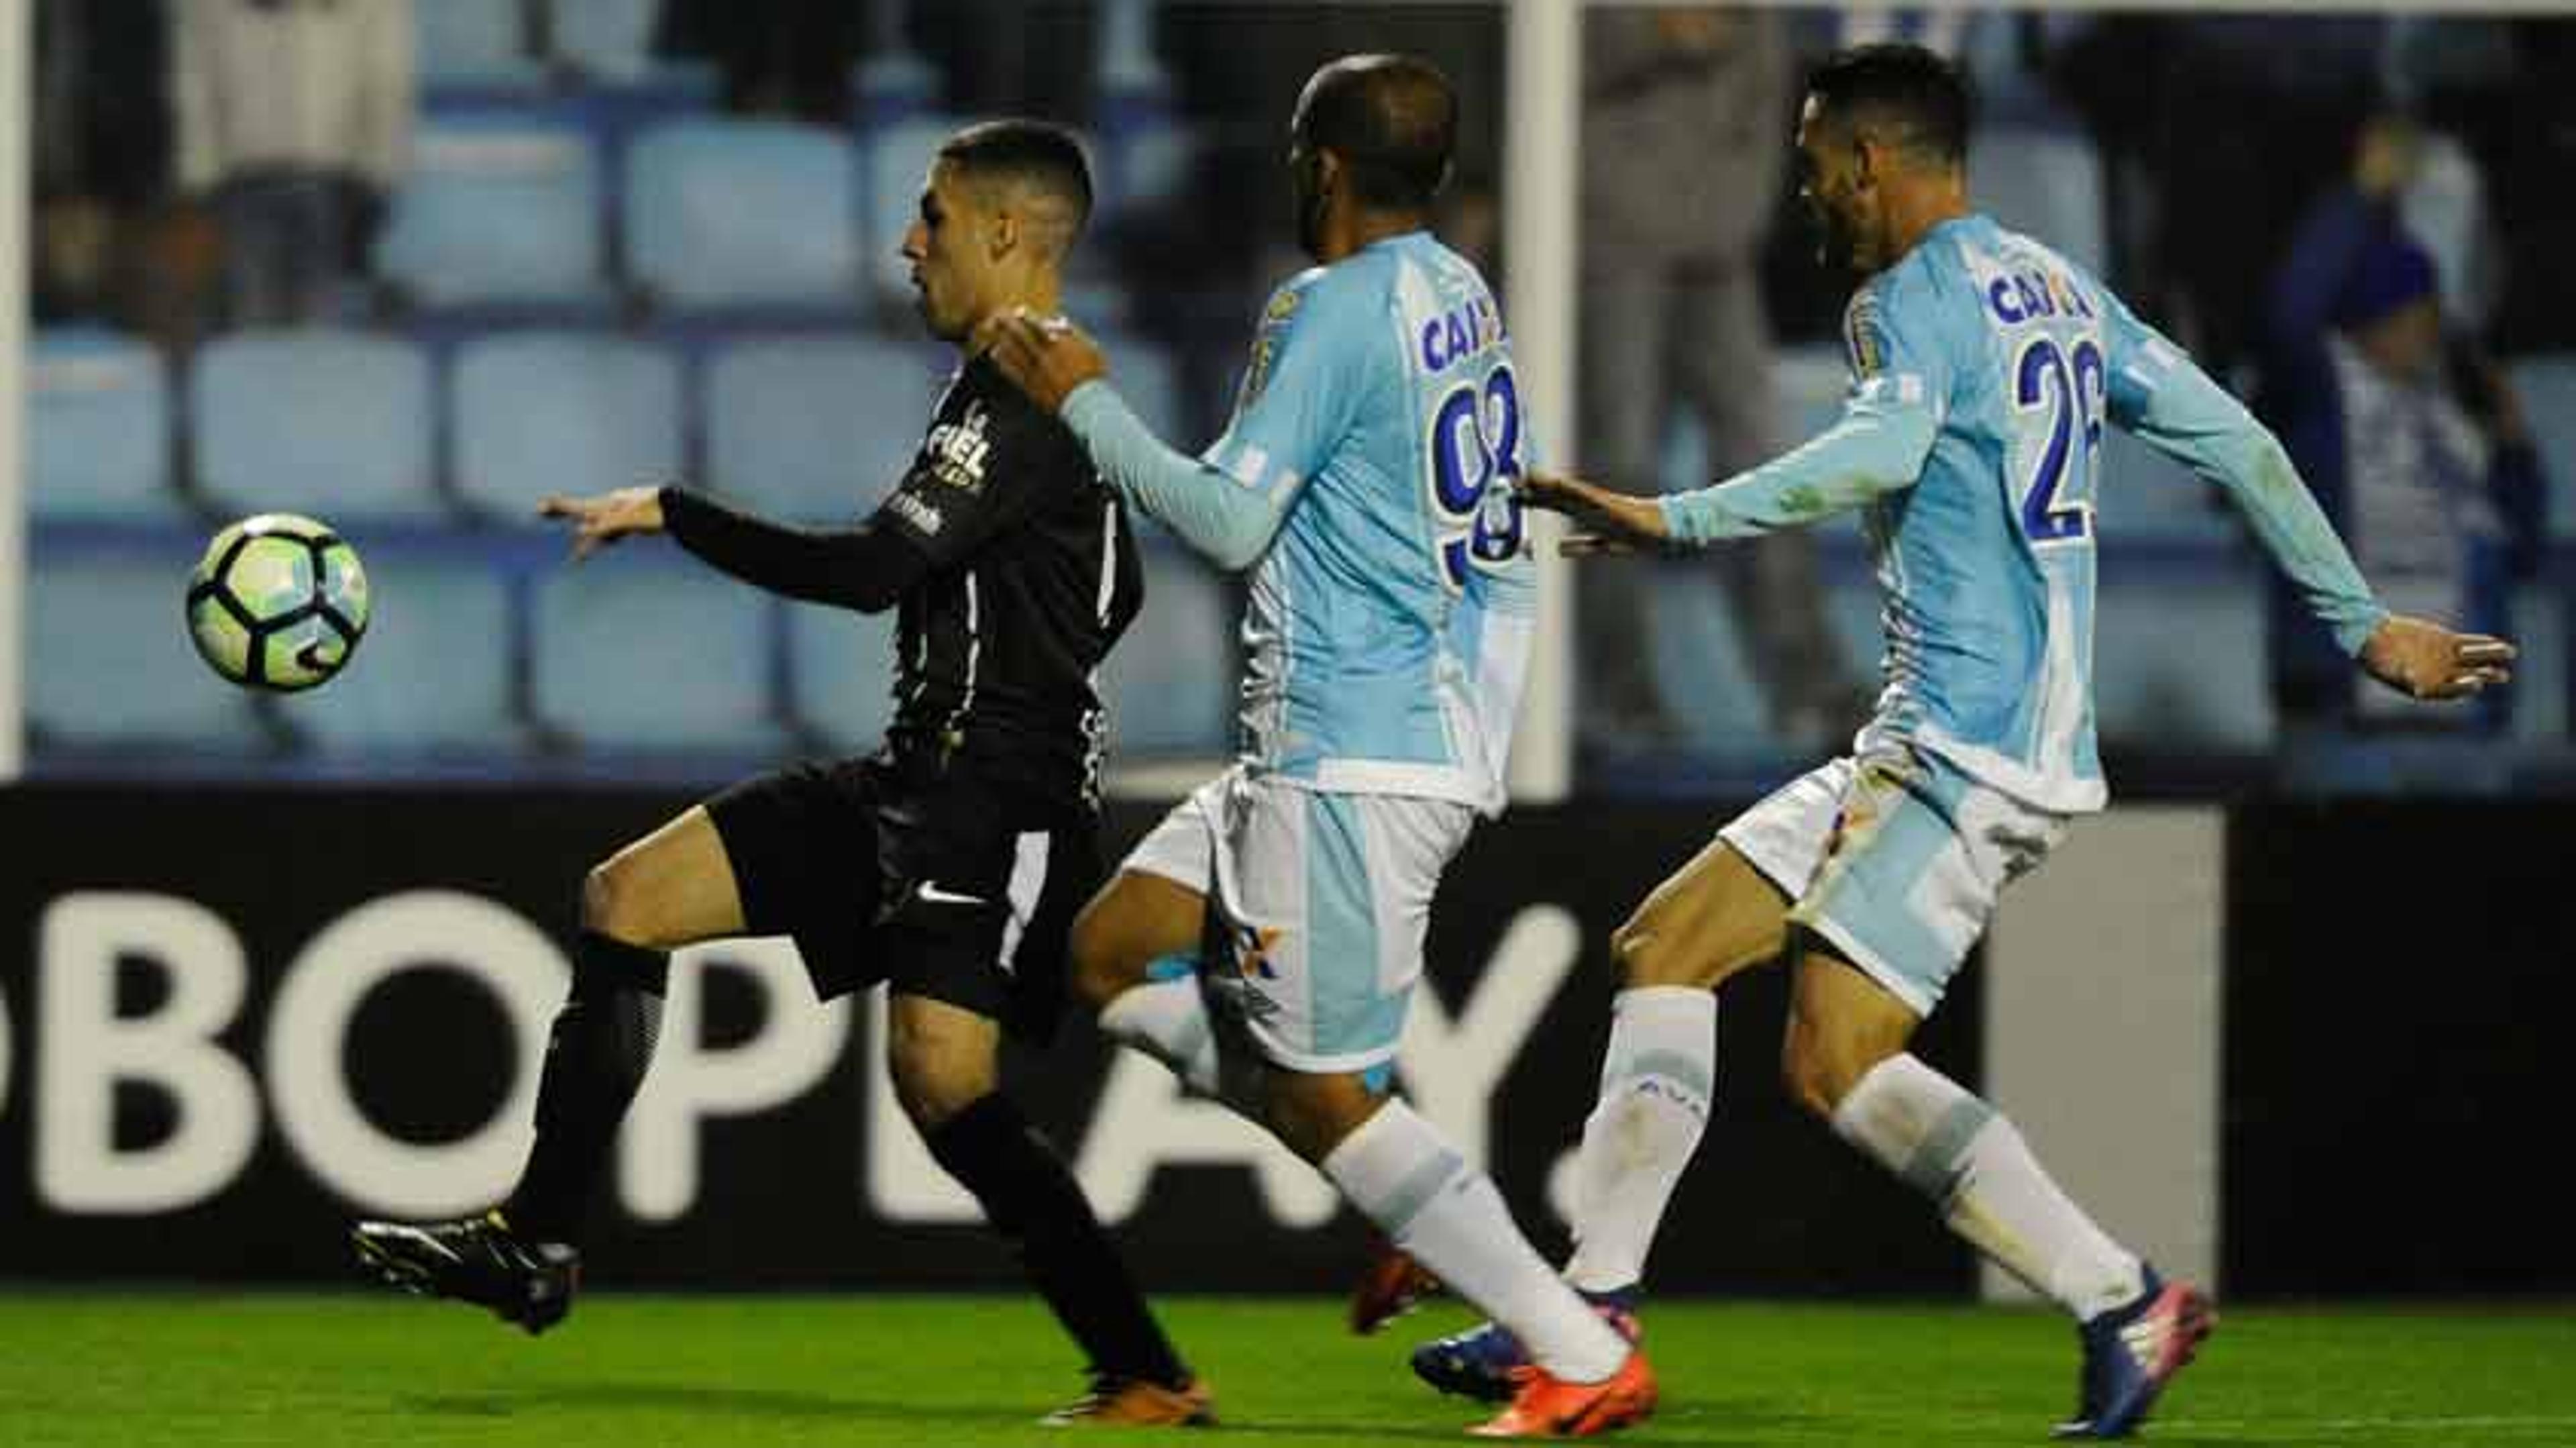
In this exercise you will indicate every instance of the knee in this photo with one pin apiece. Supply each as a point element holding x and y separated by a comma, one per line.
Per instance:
<point>1101,955</point>
<point>933,1084</point>
<point>1311,1113</point>
<point>1644,956</point>
<point>608,904</point>
<point>1819,1066</point>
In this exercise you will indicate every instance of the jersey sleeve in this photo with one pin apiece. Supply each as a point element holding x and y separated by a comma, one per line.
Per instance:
<point>1900,388</point>
<point>2162,398</point>
<point>1312,362</point>
<point>980,472</point>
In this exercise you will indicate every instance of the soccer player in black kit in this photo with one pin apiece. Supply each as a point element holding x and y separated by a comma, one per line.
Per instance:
<point>948,864</point>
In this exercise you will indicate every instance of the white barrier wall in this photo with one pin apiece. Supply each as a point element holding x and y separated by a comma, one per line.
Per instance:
<point>2102,1031</point>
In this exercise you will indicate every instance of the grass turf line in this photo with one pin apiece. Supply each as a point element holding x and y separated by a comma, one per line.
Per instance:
<point>217,1370</point>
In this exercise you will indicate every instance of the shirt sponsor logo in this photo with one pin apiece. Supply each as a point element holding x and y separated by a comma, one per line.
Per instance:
<point>1460,333</point>
<point>910,508</point>
<point>956,452</point>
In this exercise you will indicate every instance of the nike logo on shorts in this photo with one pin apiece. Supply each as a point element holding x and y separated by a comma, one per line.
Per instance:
<point>929,892</point>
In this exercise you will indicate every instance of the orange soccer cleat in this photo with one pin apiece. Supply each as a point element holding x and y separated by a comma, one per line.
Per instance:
<point>1392,1285</point>
<point>1116,1402</point>
<point>1550,1407</point>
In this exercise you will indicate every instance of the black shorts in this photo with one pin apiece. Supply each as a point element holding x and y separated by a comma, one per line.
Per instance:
<point>941,884</point>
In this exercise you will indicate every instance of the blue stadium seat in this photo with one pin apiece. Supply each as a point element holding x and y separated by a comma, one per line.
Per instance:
<point>2547,387</point>
<point>896,160</point>
<point>2046,181</point>
<point>433,674</point>
<point>561,412</point>
<point>738,213</point>
<point>1170,682</point>
<point>2144,495</point>
<point>98,427</point>
<point>1150,380</point>
<point>647,649</point>
<point>473,44</point>
<point>313,420</point>
<point>841,668</point>
<point>2181,663</point>
<point>496,210</point>
<point>818,428</point>
<point>607,40</point>
<point>109,665</point>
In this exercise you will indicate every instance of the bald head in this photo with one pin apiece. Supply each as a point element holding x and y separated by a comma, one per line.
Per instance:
<point>1393,120</point>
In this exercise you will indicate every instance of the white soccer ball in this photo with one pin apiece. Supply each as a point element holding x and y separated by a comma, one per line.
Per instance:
<point>278,602</point>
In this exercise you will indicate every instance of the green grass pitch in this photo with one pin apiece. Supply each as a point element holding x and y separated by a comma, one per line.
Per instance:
<point>208,1370</point>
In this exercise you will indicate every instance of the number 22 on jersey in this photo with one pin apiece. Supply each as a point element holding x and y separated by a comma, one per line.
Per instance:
<point>2067,385</point>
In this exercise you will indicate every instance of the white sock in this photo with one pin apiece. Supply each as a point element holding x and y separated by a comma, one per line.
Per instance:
<point>1657,1078</point>
<point>1966,1157</point>
<point>1401,1175</point>
<point>1167,1020</point>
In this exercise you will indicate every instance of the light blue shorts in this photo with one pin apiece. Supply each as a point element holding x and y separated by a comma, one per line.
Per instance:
<point>1321,901</point>
<point>1896,860</point>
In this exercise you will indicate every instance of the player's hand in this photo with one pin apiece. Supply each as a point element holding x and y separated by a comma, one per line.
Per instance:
<point>1045,357</point>
<point>1609,522</point>
<point>2423,660</point>
<point>603,518</point>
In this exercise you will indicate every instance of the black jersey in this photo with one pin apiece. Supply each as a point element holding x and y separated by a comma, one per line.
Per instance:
<point>1013,570</point>
<point>1033,575</point>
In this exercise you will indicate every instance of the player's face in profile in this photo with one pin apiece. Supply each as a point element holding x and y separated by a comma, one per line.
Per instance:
<point>949,265</point>
<point>1828,188</point>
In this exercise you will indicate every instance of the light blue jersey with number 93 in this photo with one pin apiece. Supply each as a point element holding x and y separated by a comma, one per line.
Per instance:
<point>1388,628</point>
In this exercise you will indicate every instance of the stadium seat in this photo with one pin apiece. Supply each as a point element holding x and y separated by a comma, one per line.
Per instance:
<point>109,665</point>
<point>474,45</point>
<point>313,420</point>
<point>2547,386</point>
<point>841,673</point>
<point>98,427</point>
<point>432,675</point>
<point>817,428</point>
<point>1170,682</point>
<point>1150,380</point>
<point>895,159</point>
<point>561,412</point>
<point>496,210</point>
<point>2181,661</point>
<point>739,213</point>
<point>607,40</point>
<point>2142,494</point>
<point>646,649</point>
<point>1701,666</point>
<point>2045,181</point>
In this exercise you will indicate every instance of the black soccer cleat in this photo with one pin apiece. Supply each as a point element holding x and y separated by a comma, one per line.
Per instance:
<point>474,1259</point>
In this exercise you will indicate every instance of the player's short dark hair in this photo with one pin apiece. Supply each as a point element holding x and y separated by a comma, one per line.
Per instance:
<point>1905,86</point>
<point>1037,154</point>
<point>1393,119</point>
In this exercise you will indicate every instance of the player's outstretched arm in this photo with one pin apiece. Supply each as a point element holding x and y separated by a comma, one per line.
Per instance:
<point>1610,522</point>
<point>2424,660</point>
<point>604,518</point>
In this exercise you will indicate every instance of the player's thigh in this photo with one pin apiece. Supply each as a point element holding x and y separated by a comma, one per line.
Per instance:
<point>942,1056</point>
<point>673,887</point>
<point>1711,919</point>
<point>1154,909</point>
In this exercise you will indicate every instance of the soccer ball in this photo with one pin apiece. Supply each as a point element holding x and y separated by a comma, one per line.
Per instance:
<point>278,602</point>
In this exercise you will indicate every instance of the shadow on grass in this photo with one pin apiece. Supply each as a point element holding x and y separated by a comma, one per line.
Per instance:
<point>708,1401</point>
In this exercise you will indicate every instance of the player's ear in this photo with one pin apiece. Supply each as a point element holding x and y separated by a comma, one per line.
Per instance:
<point>1004,234</point>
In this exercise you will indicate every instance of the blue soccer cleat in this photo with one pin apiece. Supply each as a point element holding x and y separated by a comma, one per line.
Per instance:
<point>1483,1362</point>
<point>2131,1352</point>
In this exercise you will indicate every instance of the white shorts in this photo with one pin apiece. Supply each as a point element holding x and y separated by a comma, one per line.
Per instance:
<point>1896,861</point>
<point>1317,906</point>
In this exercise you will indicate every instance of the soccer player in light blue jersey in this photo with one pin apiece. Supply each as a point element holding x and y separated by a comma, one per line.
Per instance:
<point>1264,940</point>
<point>1984,367</point>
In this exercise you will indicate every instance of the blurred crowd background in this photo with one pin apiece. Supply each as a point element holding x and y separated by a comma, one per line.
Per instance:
<point>410,266</point>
